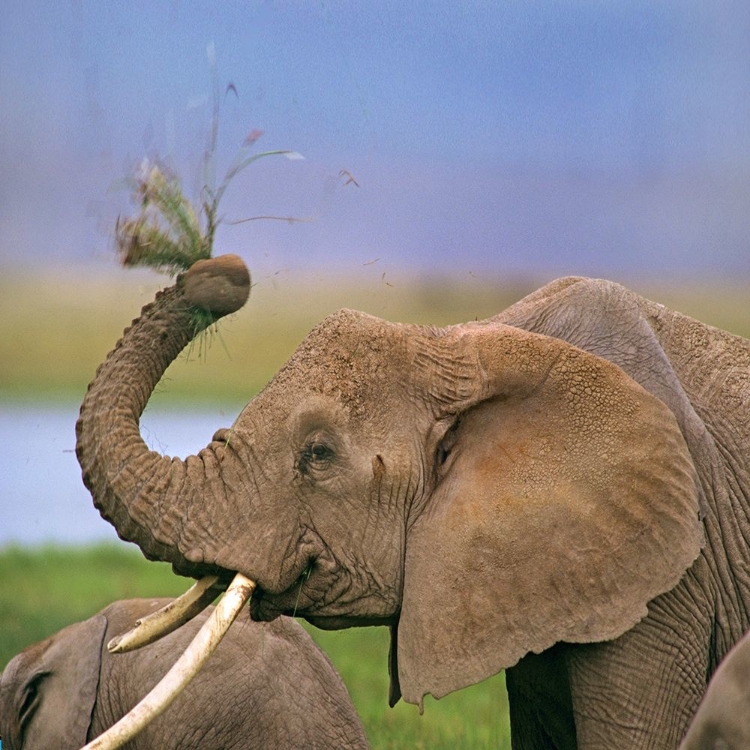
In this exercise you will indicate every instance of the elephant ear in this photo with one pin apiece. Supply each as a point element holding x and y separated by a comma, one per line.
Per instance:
<point>559,511</point>
<point>50,689</point>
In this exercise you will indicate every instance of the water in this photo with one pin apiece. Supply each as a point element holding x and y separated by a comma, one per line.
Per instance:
<point>42,497</point>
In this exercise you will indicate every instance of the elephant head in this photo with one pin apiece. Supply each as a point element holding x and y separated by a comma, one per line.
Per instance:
<point>484,490</point>
<point>62,678</point>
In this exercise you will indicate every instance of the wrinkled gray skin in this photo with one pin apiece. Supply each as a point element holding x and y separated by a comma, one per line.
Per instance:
<point>263,687</point>
<point>559,491</point>
<point>723,719</point>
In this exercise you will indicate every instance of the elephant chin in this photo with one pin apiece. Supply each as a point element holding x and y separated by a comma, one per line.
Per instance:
<point>341,623</point>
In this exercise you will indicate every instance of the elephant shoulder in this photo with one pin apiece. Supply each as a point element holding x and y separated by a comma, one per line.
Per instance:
<point>579,310</point>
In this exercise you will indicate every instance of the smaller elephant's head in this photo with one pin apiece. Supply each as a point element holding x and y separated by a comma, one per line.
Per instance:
<point>48,691</point>
<point>266,685</point>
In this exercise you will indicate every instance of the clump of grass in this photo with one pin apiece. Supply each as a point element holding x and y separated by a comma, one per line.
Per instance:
<point>168,233</point>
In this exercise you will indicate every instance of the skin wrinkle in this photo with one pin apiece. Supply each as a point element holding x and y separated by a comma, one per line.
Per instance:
<point>228,488</point>
<point>416,498</point>
<point>248,457</point>
<point>730,582</point>
<point>213,467</point>
<point>719,533</point>
<point>175,489</point>
<point>372,508</point>
<point>243,447</point>
<point>721,620</point>
<point>741,504</point>
<point>298,550</point>
<point>369,584</point>
<point>677,645</point>
<point>138,364</point>
<point>451,371</point>
<point>141,482</point>
<point>599,712</point>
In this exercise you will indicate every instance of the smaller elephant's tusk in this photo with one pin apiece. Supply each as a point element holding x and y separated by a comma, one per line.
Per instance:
<point>183,670</point>
<point>152,627</point>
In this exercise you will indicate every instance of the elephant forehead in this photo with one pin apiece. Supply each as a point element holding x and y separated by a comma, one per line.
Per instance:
<point>348,357</point>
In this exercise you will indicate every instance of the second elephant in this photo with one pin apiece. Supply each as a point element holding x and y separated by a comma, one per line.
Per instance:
<point>723,719</point>
<point>267,685</point>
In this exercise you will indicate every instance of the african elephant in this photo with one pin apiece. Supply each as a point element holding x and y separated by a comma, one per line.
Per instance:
<point>560,491</point>
<point>266,686</point>
<point>723,718</point>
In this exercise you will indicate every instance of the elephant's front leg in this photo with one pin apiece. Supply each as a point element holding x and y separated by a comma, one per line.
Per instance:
<point>642,689</point>
<point>541,712</point>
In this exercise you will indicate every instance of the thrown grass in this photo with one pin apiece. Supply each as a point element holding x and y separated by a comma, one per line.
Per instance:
<point>45,589</point>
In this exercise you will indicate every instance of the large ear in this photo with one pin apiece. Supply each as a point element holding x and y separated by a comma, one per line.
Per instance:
<point>565,500</point>
<point>49,690</point>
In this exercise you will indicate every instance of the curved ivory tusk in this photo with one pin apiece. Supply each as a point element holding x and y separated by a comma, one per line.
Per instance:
<point>152,627</point>
<point>183,670</point>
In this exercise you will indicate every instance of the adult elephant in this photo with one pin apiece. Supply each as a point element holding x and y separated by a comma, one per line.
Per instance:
<point>559,491</point>
<point>267,685</point>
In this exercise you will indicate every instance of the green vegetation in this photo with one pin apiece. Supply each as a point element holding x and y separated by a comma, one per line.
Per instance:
<point>43,590</point>
<point>167,233</point>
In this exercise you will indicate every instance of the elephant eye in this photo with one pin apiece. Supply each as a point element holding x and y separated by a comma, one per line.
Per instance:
<point>315,455</point>
<point>320,451</point>
<point>30,697</point>
<point>447,444</point>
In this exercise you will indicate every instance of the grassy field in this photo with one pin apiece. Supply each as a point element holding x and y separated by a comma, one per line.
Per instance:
<point>43,590</point>
<point>58,327</point>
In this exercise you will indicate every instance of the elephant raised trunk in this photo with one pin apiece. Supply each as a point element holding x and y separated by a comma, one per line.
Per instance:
<point>146,496</point>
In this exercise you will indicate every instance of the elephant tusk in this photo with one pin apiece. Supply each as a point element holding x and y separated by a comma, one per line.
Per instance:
<point>183,670</point>
<point>152,627</point>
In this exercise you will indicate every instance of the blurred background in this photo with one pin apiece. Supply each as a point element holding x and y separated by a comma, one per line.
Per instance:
<point>456,156</point>
<point>534,139</point>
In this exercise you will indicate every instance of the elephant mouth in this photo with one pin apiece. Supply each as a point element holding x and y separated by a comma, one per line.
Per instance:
<point>327,595</point>
<point>314,584</point>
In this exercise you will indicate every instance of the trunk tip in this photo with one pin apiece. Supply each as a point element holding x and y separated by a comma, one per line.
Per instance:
<point>219,285</point>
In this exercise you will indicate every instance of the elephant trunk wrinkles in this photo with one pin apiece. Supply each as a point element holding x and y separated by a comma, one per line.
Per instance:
<point>146,496</point>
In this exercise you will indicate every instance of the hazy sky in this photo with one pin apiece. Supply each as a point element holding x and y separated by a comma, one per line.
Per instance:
<point>603,137</point>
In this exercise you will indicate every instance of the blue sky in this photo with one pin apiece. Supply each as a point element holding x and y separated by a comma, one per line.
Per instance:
<point>602,138</point>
